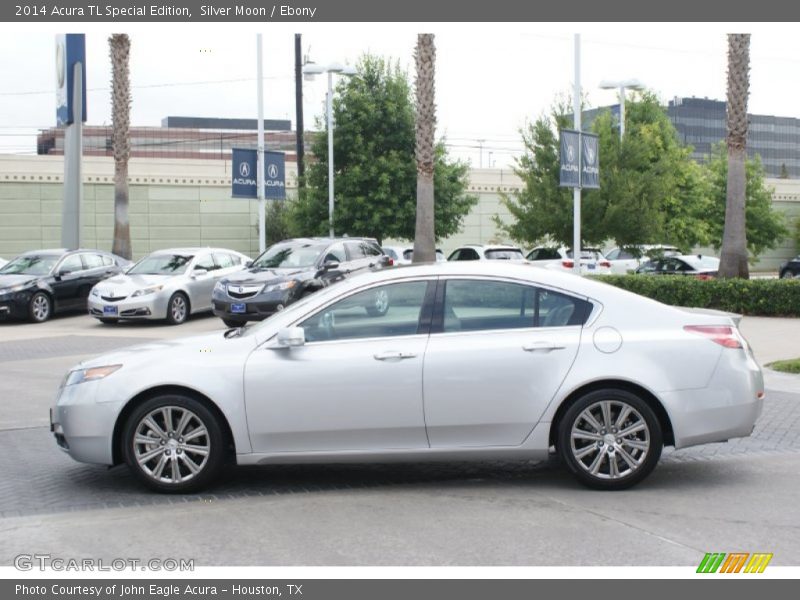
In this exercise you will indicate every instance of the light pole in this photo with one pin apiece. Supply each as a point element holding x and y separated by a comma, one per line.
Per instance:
<point>309,71</point>
<point>621,86</point>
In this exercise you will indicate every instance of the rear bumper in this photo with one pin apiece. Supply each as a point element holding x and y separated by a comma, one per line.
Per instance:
<point>727,408</point>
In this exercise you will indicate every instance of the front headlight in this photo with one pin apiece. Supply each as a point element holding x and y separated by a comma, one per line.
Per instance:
<point>220,287</point>
<point>146,291</point>
<point>95,292</point>
<point>286,285</point>
<point>16,288</point>
<point>91,374</point>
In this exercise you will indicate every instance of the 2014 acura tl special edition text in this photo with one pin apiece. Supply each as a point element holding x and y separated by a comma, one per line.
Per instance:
<point>516,360</point>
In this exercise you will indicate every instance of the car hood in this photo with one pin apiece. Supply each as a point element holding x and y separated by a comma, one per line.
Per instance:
<point>124,285</point>
<point>163,350</point>
<point>10,280</point>
<point>251,277</point>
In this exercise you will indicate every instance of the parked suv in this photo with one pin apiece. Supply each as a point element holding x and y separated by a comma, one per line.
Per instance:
<point>790,269</point>
<point>289,270</point>
<point>482,252</point>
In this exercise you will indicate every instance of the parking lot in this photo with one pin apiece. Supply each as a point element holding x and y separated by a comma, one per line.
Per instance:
<point>739,496</point>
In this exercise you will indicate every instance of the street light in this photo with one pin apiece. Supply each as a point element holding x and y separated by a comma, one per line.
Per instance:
<point>309,72</point>
<point>631,84</point>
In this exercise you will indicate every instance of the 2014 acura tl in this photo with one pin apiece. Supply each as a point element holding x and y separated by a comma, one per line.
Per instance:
<point>516,360</point>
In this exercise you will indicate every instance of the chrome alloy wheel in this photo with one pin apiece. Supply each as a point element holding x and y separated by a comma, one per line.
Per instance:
<point>381,301</point>
<point>171,444</point>
<point>610,439</point>
<point>177,308</point>
<point>41,307</point>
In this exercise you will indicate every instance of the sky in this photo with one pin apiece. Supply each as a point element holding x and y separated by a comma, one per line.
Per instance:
<point>490,78</point>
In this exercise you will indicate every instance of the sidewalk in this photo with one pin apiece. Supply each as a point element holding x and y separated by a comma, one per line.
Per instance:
<point>774,339</point>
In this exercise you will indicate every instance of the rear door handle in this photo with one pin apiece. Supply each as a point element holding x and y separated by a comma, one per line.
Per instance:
<point>393,355</point>
<point>541,347</point>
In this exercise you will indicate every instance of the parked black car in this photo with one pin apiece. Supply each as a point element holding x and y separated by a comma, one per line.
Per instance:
<point>290,270</point>
<point>695,265</point>
<point>40,283</point>
<point>790,269</point>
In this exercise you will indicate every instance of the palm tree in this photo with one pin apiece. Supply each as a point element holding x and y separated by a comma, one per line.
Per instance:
<point>425,238</point>
<point>120,49</point>
<point>733,257</point>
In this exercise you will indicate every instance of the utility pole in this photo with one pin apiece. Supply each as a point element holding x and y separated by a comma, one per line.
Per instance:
<point>298,93</point>
<point>262,234</point>
<point>576,192</point>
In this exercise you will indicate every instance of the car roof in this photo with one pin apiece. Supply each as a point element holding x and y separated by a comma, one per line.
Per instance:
<point>490,247</point>
<point>194,250</point>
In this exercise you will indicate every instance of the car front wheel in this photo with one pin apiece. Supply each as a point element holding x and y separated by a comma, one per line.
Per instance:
<point>610,439</point>
<point>40,307</point>
<point>174,444</point>
<point>177,309</point>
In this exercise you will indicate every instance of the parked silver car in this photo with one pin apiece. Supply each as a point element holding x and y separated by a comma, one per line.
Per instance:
<point>516,360</point>
<point>167,284</point>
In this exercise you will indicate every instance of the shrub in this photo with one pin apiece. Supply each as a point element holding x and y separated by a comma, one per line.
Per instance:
<point>755,297</point>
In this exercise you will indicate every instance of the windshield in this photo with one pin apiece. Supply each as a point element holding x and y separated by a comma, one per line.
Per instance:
<point>37,264</point>
<point>504,254</point>
<point>290,255</point>
<point>702,262</point>
<point>162,264</point>
<point>587,254</point>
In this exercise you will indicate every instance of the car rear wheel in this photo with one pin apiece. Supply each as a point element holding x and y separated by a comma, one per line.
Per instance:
<point>380,304</point>
<point>177,309</point>
<point>610,439</point>
<point>40,307</point>
<point>787,274</point>
<point>174,444</point>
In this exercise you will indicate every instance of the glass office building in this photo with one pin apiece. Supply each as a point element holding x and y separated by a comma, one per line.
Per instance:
<point>700,123</point>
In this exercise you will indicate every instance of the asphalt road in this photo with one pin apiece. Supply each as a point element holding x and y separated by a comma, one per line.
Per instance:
<point>739,496</point>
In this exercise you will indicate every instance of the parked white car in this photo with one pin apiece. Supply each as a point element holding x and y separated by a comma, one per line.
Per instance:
<point>516,360</point>
<point>167,284</point>
<point>404,255</point>
<point>628,259</point>
<point>560,259</point>
<point>486,252</point>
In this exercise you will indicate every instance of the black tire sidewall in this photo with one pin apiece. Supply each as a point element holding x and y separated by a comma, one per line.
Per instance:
<point>650,417</point>
<point>49,307</point>
<point>216,458</point>
<point>170,318</point>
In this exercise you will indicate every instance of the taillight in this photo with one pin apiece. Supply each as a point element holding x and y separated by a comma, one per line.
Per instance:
<point>568,264</point>
<point>704,277</point>
<point>724,335</point>
<point>604,263</point>
<point>390,262</point>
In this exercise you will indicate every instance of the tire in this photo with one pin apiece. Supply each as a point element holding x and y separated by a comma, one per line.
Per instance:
<point>40,308</point>
<point>232,323</point>
<point>787,274</point>
<point>618,463</point>
<point>109,321</point>
<point>177,308</point>
<point>380,305</point>
<point>172,464</point>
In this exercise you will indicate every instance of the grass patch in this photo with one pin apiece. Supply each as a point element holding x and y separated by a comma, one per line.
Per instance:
<point>786,366</point>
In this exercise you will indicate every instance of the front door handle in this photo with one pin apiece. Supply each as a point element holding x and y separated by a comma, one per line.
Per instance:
<point>541,347</point>
<point>393,355</point>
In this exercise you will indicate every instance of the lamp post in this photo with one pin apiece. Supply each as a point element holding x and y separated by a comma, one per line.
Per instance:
<point>309,71</point>
<point>621,86</point>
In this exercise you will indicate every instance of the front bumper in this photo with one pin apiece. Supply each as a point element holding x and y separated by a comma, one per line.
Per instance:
<point>15,305</point>
<point>257,308</point>
<point>153,306</point>
<point>84,428</point>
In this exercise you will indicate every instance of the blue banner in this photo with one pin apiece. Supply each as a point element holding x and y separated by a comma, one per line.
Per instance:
<point>70,49</point>
<point>579,160</point>
<point>275,175</point>
<point>244,167</point>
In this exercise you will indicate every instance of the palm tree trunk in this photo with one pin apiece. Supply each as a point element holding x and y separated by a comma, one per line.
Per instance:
<point>119,48</point>
<point>733,257</point>
<point>425,236</point>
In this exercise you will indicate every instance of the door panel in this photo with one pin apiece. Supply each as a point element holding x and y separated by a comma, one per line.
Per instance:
<point>201,286</point>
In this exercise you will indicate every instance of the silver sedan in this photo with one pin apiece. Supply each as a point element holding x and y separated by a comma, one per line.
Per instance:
<point>167,284</point>
<point>516,360</point>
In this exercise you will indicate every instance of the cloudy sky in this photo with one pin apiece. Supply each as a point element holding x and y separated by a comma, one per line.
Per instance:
<point>491,78</point>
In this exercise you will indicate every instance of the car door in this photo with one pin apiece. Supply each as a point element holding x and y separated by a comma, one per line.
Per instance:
<point>356,383</point>
<point>498,352</point>
<point>201,281</point>
<point>68,282</point>
<point>358,260</point>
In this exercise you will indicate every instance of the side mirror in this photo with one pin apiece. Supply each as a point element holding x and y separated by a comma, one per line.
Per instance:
<point>291,336</point>
<point>199,273</point>
<point>248,264</point>
<point>330,265</point>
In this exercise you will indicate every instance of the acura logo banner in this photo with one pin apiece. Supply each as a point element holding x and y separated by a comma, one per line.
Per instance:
<point>244,169</point>
<point>580,160</point>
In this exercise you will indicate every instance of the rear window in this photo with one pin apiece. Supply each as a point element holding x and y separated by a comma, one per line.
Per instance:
<point>504,254</point>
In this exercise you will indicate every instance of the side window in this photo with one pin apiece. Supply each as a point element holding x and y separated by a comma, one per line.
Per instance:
<point>390,253</point>
<point>534,254</point>
<point>454,256</point>
<point>386,311</point>
<point>371,249</point>
<point>354,250</point>
<point>614,254</point>
<point>335,253</point>
<point>224,260</point>
<point>71,264</point>
<point>466,254</point>
<point>107,260</point>
<point>475,305</point>
<point>92,261</point>
<point>205,261</point>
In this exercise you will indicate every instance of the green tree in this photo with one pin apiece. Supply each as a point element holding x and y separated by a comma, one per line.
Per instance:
<point>765,226</point>
<point>276,221</point>
<point>375,169</point>
<point>425,58</point>
<point>650,189</point>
